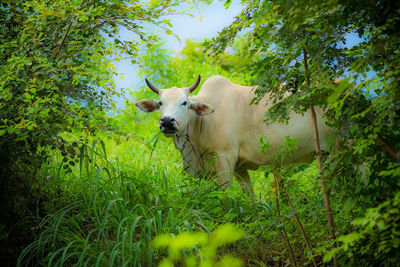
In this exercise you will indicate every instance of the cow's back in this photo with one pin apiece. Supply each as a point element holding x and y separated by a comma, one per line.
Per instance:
<point>236,126</point>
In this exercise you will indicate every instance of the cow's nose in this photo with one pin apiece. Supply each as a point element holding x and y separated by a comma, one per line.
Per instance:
<point>167,122</point>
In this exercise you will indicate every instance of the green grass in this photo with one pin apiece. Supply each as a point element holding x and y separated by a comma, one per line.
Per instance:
<point>117,200</point>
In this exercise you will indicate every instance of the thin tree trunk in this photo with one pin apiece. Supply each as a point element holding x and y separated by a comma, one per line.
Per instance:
<point>331,225</point>
<point>283,227</point>
<point>303,232</point>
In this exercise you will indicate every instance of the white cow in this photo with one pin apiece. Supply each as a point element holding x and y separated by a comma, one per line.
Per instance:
<point>218,130</point>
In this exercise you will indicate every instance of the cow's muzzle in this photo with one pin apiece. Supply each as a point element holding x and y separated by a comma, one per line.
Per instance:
<point>167,125</point>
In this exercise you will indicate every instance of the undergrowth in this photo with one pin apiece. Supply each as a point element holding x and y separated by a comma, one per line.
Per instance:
<point>110,204</point>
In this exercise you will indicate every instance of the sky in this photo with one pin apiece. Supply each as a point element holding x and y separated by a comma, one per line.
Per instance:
<point>212,19</point>
<point>206,24</point>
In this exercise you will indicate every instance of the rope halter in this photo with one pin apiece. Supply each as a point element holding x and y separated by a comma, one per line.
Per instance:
<point>186,136</point>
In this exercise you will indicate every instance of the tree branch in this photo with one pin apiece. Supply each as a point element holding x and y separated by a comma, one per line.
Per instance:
<point>388,148</point>
<point>66,33</point>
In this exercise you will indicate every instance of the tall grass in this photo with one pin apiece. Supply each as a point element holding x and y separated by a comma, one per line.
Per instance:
<point>117,199</point>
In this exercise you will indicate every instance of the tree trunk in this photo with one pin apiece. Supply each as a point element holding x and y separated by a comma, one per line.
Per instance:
<point>331,225</point>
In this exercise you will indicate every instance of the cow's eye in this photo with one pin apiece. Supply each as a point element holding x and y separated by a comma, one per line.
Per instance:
<point>184,103</point>
<point>160,103</point>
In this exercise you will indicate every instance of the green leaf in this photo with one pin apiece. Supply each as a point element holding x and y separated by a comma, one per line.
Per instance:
<point>331,253</point>
<point>350,238</point>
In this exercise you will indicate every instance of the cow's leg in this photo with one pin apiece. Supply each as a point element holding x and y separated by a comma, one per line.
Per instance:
<point>224,167</point>
<point>243,177</point>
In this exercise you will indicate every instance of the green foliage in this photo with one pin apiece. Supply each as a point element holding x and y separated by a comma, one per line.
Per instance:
<point>115,201</point>
<point>57,75</point>
<point>205,246</point>
<point>55,63</point>
<point>302,51</point>
<point>97,190</point>
<point>377,238</point>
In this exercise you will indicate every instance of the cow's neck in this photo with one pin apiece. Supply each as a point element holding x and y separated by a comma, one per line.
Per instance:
<point>187,144</point>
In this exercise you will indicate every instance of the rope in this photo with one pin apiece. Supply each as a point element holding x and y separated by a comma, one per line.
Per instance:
<point>187,140</point>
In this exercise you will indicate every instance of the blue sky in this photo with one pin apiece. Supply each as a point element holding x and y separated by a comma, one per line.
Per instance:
<point>212,19</point>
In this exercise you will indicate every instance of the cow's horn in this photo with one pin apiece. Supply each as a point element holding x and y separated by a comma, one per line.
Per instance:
<point>152,87</point>
<point>194,86</point>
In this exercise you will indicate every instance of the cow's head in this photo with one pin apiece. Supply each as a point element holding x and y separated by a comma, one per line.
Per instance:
<point>175,106</point>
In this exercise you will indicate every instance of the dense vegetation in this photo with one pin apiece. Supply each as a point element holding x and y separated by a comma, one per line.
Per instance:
<point>81,186</point>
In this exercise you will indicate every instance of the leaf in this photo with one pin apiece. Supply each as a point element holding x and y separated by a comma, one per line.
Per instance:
<point>350,238</point>
<point>226,234</point>
<point>232,216</point>
<point>331,253</point>
<point>342,86</point>
<point>230,261</point>
<point>276,7</point>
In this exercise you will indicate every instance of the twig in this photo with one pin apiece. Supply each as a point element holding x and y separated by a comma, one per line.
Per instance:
<point>66,33</point>
<point>388,148</point>
<point>283,227</point>
<point>303,232</point>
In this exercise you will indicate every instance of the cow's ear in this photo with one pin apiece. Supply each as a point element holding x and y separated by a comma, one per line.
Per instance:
<point>202,108</point>
<point>148,105</point>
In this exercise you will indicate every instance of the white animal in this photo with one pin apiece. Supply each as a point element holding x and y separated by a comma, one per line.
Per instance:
<point>218,130</point>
